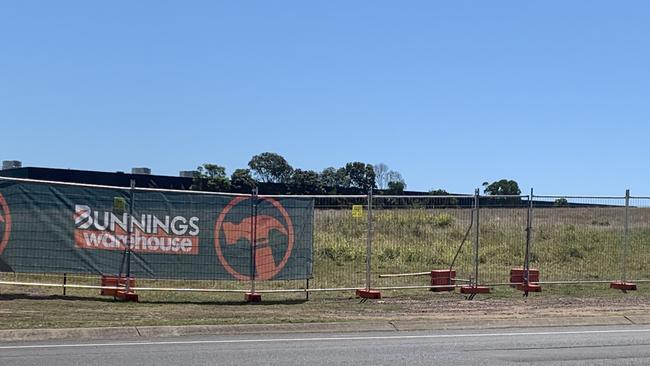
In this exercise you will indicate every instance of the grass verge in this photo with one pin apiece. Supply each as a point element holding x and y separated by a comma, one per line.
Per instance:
<point>45,308</point>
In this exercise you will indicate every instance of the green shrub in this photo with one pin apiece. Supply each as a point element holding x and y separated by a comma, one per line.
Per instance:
<point>388,254</point>
<point>443,220</point>
<point>340,252</point>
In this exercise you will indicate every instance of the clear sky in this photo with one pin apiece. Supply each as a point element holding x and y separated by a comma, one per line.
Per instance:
<point>552,94</point>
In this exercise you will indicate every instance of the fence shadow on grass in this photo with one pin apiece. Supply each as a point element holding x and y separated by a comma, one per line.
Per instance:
<point>24,296</point>
<point>45,297</point>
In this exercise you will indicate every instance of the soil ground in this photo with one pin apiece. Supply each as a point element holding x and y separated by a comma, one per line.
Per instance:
<point>22,307</point>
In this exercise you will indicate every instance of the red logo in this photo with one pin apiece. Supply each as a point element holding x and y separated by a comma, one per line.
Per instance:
<point>5,223</point>
<point>229,232</point>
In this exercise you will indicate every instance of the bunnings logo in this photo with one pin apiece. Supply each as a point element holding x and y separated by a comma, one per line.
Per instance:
<point>149,233</point>
<point>5,223</point>
<point>267,232</point>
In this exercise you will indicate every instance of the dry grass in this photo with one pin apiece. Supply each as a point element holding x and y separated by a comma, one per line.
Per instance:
<point>568,244</point>
<point>41,308</point>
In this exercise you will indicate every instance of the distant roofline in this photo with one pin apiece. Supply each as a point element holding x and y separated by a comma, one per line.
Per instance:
<point>90,171</point>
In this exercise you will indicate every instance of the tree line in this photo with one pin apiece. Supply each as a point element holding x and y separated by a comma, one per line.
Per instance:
<point>271,173</point>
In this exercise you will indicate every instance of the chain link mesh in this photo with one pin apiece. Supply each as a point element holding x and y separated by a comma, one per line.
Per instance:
<point>578,239</point>
<point>573,239</point>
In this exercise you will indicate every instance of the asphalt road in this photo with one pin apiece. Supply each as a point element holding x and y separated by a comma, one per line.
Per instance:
<point>614,345</point>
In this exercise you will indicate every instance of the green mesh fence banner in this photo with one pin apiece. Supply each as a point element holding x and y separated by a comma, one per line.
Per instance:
<point>57,228</point>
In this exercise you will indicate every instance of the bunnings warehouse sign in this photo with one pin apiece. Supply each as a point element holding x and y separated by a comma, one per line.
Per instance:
<point>150,234</point>
<point>56,228</point>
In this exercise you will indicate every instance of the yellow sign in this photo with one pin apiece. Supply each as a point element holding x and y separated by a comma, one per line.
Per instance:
<point>357,211</point>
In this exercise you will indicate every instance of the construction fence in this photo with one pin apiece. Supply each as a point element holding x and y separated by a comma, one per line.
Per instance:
<point>213,242</point>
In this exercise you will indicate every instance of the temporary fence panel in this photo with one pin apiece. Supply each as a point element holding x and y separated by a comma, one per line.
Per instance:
<point>415,235</point>
<point>502,241</point>
<point>636,263</point>
<point>340,242</point>
<point>60,228</point>
<point>198,240</point>
<point>579,239</point>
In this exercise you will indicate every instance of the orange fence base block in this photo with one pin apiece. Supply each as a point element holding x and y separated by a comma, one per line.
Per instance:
<point>474,290</point>
<point>368,294</point>
<point>114,281</point>
<point>517,275</point>
<point>530,287</point>
<point>253,297</point>
<point>126,296</point>
<point>442,277</point>
<point>625,286</point>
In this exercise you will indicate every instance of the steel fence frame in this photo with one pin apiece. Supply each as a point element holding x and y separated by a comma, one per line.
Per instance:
<point>367,275</point>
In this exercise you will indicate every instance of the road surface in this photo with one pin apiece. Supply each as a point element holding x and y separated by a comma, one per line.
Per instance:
<point>612,345</point>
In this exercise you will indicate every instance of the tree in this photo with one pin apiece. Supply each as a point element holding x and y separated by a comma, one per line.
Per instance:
<point>381,173</point>
<point>394,176</point>
<point>396,187</point>
<point>396,184</point>
<point>561,202</point>
<point>305,182</point>
<point>384,175</point>
<point>210,177</point>
<point>270,167</point>
<point>438,192</point>
<point>502,187</point>
<point>361,175</point>
<point>333,178</point>
<point>242,180</point>
<point>449,201</point>
<point>342,178</point>
<point>328,177</point>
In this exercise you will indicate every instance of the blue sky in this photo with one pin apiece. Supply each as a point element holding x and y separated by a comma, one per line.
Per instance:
<point>553,94</point>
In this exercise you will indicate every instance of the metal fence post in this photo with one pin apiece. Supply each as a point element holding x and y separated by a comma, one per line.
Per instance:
<point>369,241</point>
<point>529,229</point>
<point>625,237</point>
<point>476,239</point>
<point>129,235</point>
<point>253,238</point>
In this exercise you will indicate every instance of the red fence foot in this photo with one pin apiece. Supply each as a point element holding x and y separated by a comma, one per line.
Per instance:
<point>126,296</point>
<point>368,294</point>
<point>474,289</point>
<point>442,277</point>
<point>625,286</point>
<point>517,275</point>
<point>529,287</point>
<point>253,297</point>
<point>116,283</point>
